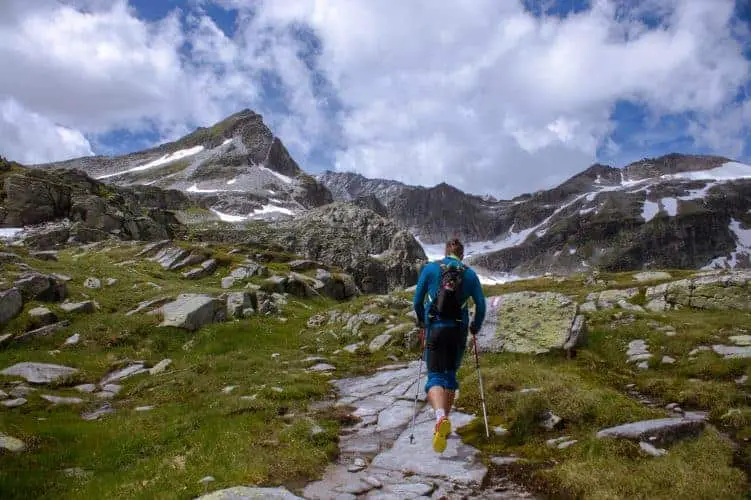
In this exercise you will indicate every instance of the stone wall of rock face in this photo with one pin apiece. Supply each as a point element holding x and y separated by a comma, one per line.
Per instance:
<point>710,291</point>
<point>374,250</point>
<point>82,209</point>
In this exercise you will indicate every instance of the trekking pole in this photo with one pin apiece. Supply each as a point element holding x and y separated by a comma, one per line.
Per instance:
<point>417,390</point>
<point>482,391</point>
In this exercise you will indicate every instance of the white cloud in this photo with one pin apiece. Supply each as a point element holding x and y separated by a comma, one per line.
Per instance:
<point>489,98</point>
<point>30,138</point>
<point>477,93</point>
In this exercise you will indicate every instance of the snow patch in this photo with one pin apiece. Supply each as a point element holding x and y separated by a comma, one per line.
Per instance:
<point>195,189</point>
<point>670,205</point>
<point>8,233</point>
<point>227,217</point>
<point>279,176</point>
<point>267,209</point>
<point>726,172</point>
<point>168,158</point>
<point>742,248</point>
<point>649,210</point>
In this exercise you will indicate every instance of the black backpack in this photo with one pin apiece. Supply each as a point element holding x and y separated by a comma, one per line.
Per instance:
<point>448,303</point>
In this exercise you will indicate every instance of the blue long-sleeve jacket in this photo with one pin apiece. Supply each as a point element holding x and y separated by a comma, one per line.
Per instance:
<point>427,289</point>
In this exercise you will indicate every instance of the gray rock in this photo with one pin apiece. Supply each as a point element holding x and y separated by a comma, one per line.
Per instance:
<point>111,281</point>
<point>549,420</point>
<point>228,282</point>
<point>56,400</point>
<point>741,340</point>
<point>39,373</point>
<point>192,311</point>
<point>379,342</point>
<point>105,409</point>
<point>238,303</point>
<point>502,461</point>
<point>115,388</point>
<point>35,286</point>
<point>651,450</point>
<point>352,348</point>
<point>43,331</point>
<point>588,307</point>
<point>144,408</point>
<point>160,367</point>
<point>11,305</point>
<point>322,367</point>
<point>87,388</point>
<point>3,394</point>
<point>729,352</point>
<point>302,265</point>
<point>317,320</point>
<point>13,403</point>
<point>122,373</point>
<point>527,322</point>
<point>41,316</point>
<point>250,493</point>
<point>148,304</point>
<point>652,276</point>
<point>667,360</point>
<point>48,255</point>
<point>8,257</point>
<point>92,283</point>
<point>662,430</point>
<point>169,256</point>
<point>207,268</point>
<point>11,444</point>
<point>85,307</point>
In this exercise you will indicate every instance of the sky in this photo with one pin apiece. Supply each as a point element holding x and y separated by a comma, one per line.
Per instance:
<point>498,97</point>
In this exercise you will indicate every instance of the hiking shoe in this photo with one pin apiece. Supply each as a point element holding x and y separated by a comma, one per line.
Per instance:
<point>442,430</point>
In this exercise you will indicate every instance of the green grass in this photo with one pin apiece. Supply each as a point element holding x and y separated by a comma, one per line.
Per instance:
<point>589,393</point>
<point>195,429</point>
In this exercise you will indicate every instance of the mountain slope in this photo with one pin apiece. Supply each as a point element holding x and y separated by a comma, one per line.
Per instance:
<point>683,211</point>
<point>238,167</point>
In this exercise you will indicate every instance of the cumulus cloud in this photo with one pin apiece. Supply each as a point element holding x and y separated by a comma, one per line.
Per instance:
<point>30,138</point>
<point>490,98</point>
<point>478,93</point>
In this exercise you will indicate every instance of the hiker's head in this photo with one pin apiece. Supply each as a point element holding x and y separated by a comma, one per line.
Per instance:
<point>454,247</point>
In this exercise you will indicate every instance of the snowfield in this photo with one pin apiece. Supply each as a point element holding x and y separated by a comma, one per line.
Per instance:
<point>168,158</point>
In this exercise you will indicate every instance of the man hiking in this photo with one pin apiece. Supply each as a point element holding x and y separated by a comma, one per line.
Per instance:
<point>447,284</point>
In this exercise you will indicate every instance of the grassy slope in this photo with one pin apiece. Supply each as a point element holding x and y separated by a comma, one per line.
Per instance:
<point>588,392</point>
<point>195,429</point>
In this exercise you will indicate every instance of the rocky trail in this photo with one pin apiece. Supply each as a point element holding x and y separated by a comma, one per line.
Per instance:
<point>377,459</point>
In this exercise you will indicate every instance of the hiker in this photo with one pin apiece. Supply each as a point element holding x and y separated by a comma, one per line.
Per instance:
<point>448,284</point>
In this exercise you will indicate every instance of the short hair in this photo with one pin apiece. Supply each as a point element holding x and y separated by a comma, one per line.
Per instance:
<point>454,247</point>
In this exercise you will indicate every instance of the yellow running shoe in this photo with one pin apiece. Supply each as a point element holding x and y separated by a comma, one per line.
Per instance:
<point>442,430</point>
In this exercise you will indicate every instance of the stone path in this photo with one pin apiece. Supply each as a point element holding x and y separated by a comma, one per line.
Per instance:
<point>377,459</point>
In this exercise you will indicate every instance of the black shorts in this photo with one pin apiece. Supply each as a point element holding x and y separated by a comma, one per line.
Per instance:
<point>445,347</point>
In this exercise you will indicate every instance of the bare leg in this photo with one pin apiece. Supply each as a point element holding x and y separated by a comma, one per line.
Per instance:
<point>450,395</point>
<point>438,397</point>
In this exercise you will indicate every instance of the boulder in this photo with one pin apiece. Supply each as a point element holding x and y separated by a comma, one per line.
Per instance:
<point>530,322</point>
<point>170,255</point>
<point>652,276</point>
<point>339,286</point>
<point>240,304</point>
<point>93,283</point>
<point>657,431</point>
<point>302,265</point>
<point>300,285</point>
<point>85,307</point>
<point>192,311</point>
<point>41,316</point>
<point>207,268</point>
<point>250,493</point>
<point>379,342</point>
<point>39,373</point>
<point>730,291</point>
<point>36,286</point>
<point>11,305</point>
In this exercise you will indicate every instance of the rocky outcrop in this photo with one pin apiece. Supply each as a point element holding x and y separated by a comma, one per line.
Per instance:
<point>378,254</point>
<point>68,205</point>
<point>712,291</point>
